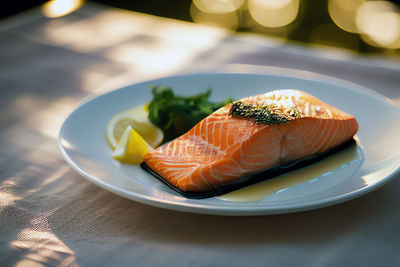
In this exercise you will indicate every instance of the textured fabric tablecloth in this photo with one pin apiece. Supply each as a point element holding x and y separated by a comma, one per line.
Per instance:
<point>50,215</point>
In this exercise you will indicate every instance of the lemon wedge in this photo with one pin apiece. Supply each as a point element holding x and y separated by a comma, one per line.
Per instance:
<point>137,118</point>
<point>131,148</point>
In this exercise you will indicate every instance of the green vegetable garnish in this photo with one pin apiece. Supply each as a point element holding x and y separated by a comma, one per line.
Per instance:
<point>175,114</point>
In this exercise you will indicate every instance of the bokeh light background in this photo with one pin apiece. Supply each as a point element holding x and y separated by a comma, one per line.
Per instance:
<point>359,25</point>
<point>366,26</point>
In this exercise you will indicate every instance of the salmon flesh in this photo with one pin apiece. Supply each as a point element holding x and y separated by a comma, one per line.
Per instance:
<point>249,136</point>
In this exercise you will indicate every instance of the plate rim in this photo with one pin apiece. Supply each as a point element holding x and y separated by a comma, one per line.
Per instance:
<point>233,210</point>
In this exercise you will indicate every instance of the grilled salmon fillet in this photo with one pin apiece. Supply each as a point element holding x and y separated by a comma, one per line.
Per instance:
<point>251,135</point>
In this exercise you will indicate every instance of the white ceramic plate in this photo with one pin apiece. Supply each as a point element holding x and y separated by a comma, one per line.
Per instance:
<point>85,148</point>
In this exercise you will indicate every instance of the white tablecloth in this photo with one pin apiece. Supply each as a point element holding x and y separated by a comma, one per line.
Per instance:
<point>50,215</point>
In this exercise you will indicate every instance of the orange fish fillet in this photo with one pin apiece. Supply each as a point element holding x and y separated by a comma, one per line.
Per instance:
<point>251,135</point>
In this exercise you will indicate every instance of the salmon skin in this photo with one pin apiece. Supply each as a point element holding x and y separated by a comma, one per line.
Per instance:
<point>248,137</point>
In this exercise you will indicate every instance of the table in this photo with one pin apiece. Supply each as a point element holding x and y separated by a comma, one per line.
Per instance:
<point>50,215</point>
